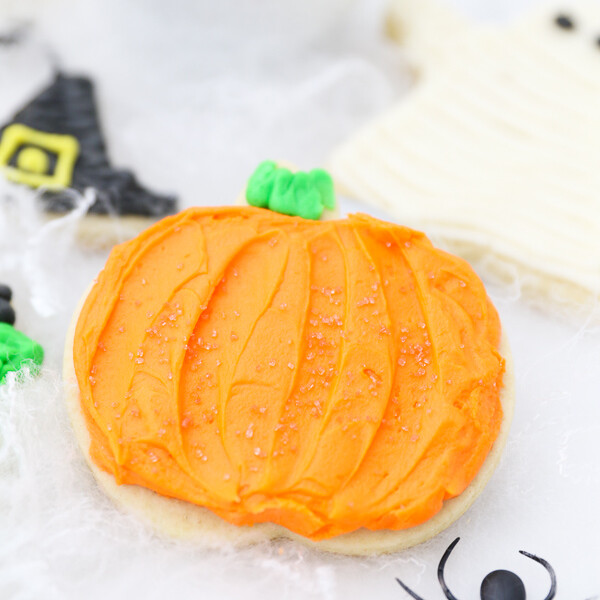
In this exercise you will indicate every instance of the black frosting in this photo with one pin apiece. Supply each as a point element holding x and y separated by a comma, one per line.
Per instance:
<point>7,314</point>
<point>5,292</point>
<point>68,107</point>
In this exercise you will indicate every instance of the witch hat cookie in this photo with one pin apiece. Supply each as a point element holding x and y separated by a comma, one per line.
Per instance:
<point>496,149</point>
<point>55,143</point>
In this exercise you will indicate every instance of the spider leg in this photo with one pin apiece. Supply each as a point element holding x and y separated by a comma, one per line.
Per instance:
<point>548,568</point>
<point>441,566</point>
<point>408,590</point>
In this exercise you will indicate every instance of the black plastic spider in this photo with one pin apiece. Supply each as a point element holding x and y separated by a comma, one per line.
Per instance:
<point>497,585</point>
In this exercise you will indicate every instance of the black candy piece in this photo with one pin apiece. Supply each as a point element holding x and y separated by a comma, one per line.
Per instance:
<point>5,292</point>
<point>564,22</point>
<point>68,107</point>
<point>7,314</point>
<point>502,585</point>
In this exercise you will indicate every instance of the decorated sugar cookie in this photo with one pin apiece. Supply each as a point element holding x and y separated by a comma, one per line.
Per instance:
<point>496,148</point>
<point>239,374</point>
<point>54,143</point>
<point>16,349</point>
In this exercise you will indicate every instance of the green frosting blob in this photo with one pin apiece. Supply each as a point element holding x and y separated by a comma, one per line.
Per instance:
<point>298,194</point>
<point>17,350</point>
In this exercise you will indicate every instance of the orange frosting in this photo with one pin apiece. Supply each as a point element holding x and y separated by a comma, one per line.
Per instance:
<point>325,376</point>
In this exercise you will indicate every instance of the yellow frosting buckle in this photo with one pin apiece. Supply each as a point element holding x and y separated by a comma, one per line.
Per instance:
<point>32,161</point>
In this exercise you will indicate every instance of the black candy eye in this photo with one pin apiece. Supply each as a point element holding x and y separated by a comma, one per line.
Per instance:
<point>564,22</point>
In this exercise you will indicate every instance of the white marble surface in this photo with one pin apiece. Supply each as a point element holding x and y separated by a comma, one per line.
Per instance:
<point>192,96</point>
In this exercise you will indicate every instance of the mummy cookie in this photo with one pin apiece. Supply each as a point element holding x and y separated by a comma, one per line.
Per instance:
<point>239,374</point>
<point>496,149</point>
<point>55,144</point>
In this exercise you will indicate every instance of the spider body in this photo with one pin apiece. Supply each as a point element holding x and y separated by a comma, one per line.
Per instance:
<point>502,585</point>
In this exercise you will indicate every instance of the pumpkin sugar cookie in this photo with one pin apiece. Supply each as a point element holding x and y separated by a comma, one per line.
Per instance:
<point>495,150</point>
<point>237,374</point>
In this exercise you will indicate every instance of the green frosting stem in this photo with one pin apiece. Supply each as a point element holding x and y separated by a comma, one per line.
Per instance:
<point>258,190</point>
<point>16,350</point>
<point>298,194</point>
